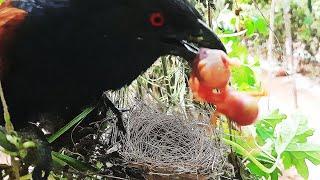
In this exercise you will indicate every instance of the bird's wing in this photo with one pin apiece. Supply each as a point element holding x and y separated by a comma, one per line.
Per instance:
<point>37,6</point>
<point>10,18</point>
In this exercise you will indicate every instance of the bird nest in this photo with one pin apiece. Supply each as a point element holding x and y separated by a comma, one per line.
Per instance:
<point>171,144</point>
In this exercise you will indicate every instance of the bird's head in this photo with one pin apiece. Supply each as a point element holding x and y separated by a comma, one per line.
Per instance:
<point>178,26</point>
<point>173,25</point>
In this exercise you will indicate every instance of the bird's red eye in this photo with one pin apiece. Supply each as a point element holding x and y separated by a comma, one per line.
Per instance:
<point>156,19</point>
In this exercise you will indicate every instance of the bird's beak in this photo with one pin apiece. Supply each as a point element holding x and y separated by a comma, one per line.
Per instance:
<point>201,36</point>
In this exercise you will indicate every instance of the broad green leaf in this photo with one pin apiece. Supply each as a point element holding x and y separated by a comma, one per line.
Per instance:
<point>302,168</point>
<point>303,138</point>
<point>298,150</point>
<point>303,147</point>
<point>303,132</point>
<point>265,127</point>
<point>243,77</point>
<point>275,118</point>
<point>275,174</point>
<point>285,132</point>
<point>286,160</point>
<point>249,25</point>
<point>308,20</point>
<point>303,123</point>
<point>299,154</point>
<point>314,157</point>
<point>234,40</point>
<point>261,26</point>
<point>238,51</point>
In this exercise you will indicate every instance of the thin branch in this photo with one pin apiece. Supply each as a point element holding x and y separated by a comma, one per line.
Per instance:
<point>265,19</point>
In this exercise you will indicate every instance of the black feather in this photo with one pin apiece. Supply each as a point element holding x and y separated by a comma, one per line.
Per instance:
<point>67,52</point>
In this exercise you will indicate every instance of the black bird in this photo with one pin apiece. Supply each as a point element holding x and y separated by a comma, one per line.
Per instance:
<point>57,56</point>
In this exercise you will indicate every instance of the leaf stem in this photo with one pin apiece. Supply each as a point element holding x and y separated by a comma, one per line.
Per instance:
<point>252,158</point>
<point>8,125</point>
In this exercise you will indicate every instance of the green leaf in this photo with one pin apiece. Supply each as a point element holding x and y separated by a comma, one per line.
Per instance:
<point>303,123</point>
<point>4,143</point>
<point>261,26</point>
<point>275,174</point>
<point>286,160</point>
<point>314,157</point>
<point>243,77</point>
<point>76,120</point>
<point>266,126</point>
<point>297,159</point>
<point>308,20</point>
<point>299,155</point>
<point>275,118</point>
<point>247,142</point>
<point>233,21</point>
<point>253,169</point>
<point>256,170</point>
<point>302,138</point>
<point>238,51</point>
<point>303,147</point>
<point>249,25</point>
<point>264,132</point>
<point>302,168</point>
<point>298,150</point>
<point>285,132</point>
<point>303,132</point>
<point>78,165</point>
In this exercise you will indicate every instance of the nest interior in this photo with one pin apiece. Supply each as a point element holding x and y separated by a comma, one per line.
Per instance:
<point>171,144</point>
